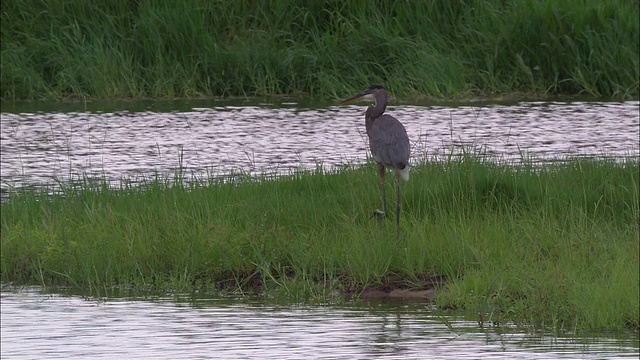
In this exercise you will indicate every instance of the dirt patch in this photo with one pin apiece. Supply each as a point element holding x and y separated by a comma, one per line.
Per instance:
<point>373,294</point>
<point>419,287</point>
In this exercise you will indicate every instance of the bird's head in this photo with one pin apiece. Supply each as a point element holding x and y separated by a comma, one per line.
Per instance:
<point>374,92</point>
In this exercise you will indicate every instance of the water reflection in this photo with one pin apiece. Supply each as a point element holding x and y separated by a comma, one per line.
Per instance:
<point>42,146</point>
<point>38,325</point>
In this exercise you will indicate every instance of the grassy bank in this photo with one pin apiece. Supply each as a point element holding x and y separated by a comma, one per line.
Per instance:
<point>556,246</point>
<point>122,49</point>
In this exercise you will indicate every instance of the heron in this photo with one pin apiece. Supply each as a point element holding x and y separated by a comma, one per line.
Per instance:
<point>388,142</point>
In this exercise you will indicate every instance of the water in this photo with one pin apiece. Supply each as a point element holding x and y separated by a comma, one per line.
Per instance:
<point>141,139</point>
<point>38,325</point>
<point>115,141</point>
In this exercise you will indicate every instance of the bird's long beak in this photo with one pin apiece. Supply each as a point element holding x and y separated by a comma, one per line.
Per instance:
<point>366,94</point>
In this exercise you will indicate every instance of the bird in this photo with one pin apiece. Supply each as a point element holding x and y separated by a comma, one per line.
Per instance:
<point>388,141</point>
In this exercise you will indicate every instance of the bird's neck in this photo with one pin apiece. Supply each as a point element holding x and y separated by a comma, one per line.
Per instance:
<point>373,112</point>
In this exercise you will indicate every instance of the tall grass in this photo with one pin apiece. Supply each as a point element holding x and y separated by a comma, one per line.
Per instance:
<point>553,246</point>
<point>120,49</point>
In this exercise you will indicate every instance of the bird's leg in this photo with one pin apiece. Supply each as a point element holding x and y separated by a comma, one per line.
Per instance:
<point>398,203</point>
<point>380,214</point>
<point>384,197</point>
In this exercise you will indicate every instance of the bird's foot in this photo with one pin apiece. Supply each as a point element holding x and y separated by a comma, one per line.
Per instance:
<point>378,214</point>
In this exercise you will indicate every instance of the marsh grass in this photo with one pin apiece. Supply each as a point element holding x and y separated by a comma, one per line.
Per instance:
<point>551,246</point>
<point>123,49</point>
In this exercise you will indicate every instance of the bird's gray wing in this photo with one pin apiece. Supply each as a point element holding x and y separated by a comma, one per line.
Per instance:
<point>389,142</point>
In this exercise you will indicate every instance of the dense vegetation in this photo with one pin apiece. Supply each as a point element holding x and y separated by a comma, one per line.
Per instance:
<point>55,49</point>
<point>555,246</point>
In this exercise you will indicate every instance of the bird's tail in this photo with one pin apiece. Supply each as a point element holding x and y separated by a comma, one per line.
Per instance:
<point>404,173</point>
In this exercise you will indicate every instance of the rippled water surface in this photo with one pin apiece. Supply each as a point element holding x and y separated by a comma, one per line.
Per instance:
<point>217,138</point>
<point>37,325</point>
<point>40,146</point>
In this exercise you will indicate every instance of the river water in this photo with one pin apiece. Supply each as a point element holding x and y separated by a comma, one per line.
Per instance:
<point>40,325</point>
<point>41,144</point>
<point>130,140</point>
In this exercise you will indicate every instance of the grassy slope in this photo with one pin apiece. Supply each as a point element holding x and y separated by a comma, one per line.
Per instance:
<point>556,247</point>
<point>121,49</point>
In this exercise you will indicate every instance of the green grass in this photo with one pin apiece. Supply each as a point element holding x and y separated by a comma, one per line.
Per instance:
<point>553,246</point>
<point>122,49</point>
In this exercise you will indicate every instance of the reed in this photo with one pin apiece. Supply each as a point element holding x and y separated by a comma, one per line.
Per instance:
<point>554,246</point>
<point>121,49</point>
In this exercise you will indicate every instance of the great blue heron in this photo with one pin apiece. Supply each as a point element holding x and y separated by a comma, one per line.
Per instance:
<point>388,141</point>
